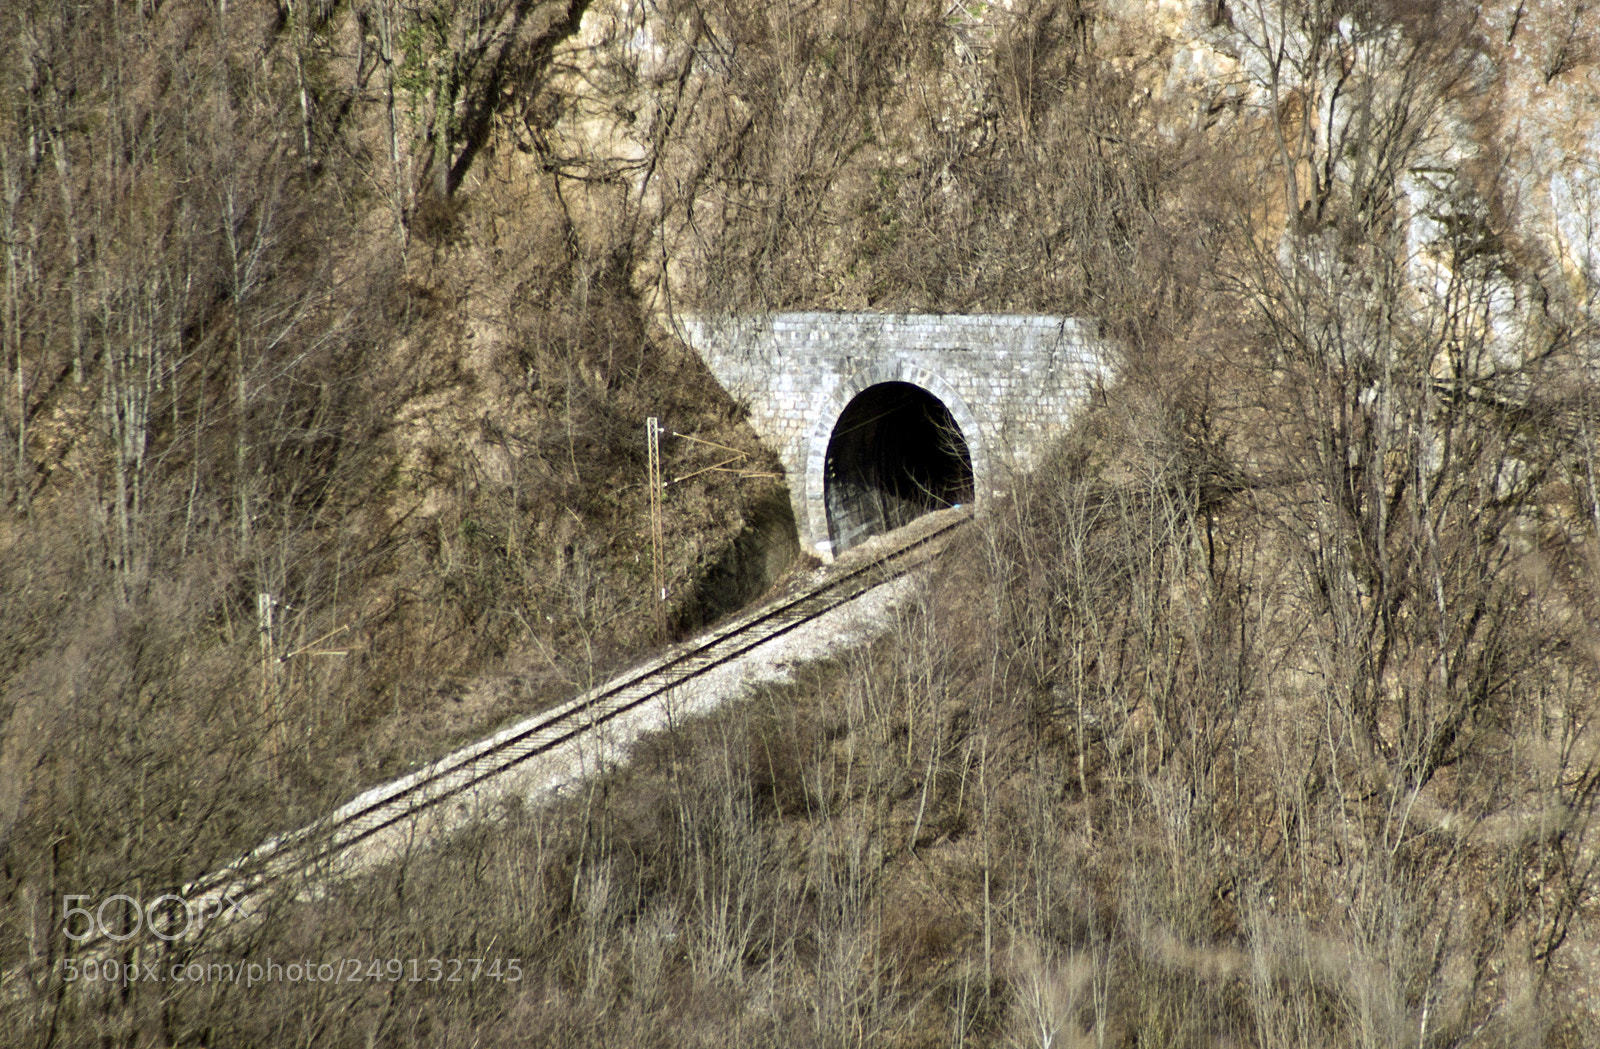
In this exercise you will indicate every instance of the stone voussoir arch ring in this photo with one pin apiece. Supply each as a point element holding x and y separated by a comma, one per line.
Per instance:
<point>834,404</point>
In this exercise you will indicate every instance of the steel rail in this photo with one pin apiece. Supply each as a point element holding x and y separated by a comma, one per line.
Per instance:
<point>299,851</point>
<point>451,776</point>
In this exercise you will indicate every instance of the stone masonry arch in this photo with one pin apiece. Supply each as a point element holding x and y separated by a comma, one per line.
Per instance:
<point>833,403</point>
<point>1009,383</point>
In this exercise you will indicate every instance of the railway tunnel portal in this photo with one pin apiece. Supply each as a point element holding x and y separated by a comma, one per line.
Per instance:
<point>880,418</point>
<point>896,452</point>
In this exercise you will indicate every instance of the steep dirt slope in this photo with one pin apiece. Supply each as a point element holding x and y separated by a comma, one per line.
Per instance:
<point>324,426</point>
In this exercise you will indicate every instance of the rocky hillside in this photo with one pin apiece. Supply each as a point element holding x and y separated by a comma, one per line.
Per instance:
<point>1261,715</point>
<point>323,425</point>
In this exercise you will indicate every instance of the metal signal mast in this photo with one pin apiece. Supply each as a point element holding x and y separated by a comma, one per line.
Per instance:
<point>652,429</point>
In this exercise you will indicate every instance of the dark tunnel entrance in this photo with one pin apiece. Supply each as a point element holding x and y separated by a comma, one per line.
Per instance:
<point>896,453</point>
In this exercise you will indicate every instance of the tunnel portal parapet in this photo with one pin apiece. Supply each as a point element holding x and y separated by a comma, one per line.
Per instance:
<point>1009,382</point>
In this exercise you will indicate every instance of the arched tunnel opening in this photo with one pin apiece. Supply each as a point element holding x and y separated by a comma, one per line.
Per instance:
<point>895,454</point>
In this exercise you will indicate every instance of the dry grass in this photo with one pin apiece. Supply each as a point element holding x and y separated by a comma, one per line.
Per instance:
<point>308,472</point>
<point>1258,715</point>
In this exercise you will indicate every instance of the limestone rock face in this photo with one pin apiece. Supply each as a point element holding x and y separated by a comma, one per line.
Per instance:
<point>712,126</point>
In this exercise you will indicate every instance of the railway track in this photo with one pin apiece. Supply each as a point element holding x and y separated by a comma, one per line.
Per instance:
<point>317,849</point>
<point>342,842</point>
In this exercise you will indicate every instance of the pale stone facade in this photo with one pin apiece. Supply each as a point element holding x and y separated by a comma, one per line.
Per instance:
<point>1010,383</point>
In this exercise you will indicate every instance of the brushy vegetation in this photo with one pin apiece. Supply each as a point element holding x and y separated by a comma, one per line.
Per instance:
<point>299,442</point>
<point>1259,714</point>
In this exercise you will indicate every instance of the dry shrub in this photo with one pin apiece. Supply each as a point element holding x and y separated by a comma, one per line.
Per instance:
<point>1250,717</point>
<point>289,456</point>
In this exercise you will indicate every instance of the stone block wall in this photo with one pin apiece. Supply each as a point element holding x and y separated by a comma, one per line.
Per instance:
<point>1011,382</point>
